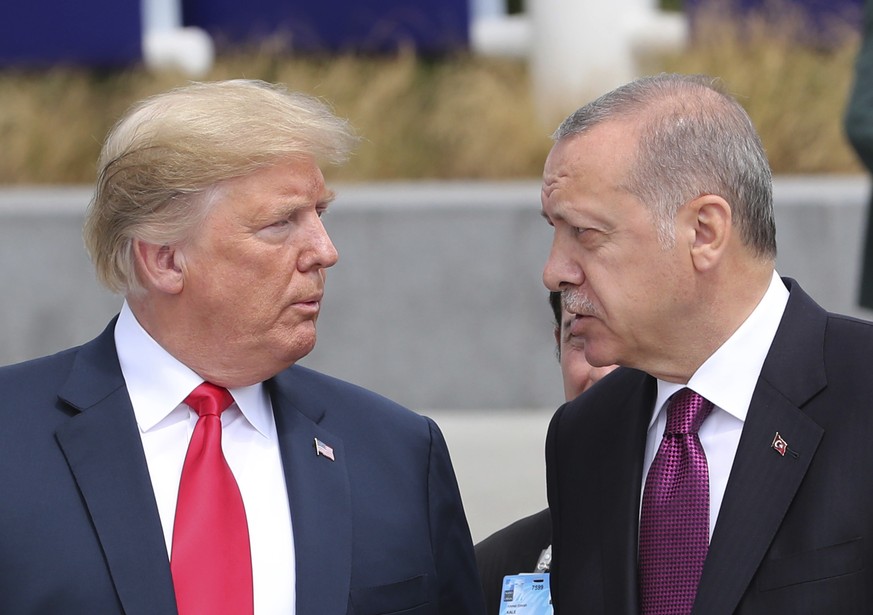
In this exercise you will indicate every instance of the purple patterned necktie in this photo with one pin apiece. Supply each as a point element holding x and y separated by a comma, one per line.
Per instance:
<point>674,521</point>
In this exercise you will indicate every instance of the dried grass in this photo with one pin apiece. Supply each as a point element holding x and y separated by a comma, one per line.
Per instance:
<point>462,117</point>
<point>795,94</point>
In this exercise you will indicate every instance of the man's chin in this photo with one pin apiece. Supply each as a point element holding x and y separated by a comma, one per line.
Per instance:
<point>299,347</point>
<point>602,358</point>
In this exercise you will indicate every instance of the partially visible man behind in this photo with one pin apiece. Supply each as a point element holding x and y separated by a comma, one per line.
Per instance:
<point>305,495</point>
<point>577,374</point>
<point>757,499</point>
<point>525,545</point>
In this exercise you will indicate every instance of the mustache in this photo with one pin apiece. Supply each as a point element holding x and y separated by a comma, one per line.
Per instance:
<point>577,302</point>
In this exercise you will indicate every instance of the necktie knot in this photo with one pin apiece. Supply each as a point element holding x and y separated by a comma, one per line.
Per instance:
<point>209,399</point>
<point>686,412</point>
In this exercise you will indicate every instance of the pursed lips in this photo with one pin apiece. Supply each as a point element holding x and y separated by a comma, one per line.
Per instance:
<point>577,323</point>
<point>312,302</point>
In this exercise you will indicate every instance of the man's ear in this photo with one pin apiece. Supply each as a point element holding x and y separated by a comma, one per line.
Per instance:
<point>709,218</point>
<point>160,266</point>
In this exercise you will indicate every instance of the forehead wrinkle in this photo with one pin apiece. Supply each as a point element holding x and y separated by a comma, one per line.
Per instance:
<point>551,181</point>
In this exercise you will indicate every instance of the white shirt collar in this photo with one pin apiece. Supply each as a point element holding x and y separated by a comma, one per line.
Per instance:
<point>158,383</point>
<point>729,376</point>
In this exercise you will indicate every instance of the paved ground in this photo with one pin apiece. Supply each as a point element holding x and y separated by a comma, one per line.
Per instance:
<point>499,460</point>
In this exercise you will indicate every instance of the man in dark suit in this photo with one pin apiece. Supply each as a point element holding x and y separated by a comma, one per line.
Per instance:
<point>525,545</point>
<point>206,217</point>
<point>664,249</point>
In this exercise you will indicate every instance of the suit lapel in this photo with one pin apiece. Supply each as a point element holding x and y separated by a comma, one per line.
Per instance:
<point>624,444</point>
<point>599,480</point>
<point>320,500</point>
<point>762,482</point>
<point>104,452</point>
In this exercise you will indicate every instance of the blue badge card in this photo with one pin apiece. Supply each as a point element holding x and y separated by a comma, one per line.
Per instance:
<point>526,594</point>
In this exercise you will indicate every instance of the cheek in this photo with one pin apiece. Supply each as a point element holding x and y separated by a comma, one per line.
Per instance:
<point>628,292</point>
<point>264,271</point>
<point>576,365</point>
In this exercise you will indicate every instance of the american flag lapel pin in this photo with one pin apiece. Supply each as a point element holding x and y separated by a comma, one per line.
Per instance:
<point>779,445</point>
<point>323,449</point>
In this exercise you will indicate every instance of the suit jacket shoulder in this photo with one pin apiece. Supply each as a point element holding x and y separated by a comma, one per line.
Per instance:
<point>79,527</point>
<point>387,505</point>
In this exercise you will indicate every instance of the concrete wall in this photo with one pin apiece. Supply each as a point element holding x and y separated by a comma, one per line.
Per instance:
<point>437,302</point>
<point>437,299</point>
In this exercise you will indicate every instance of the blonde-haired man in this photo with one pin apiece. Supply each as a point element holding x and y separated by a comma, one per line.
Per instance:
<point>305,495</point>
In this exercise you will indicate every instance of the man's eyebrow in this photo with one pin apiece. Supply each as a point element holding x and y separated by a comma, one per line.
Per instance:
<point>551,218</point>
<point>327,197</point>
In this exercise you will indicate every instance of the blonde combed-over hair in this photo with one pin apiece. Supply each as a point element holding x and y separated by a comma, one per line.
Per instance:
<point>162,160</point>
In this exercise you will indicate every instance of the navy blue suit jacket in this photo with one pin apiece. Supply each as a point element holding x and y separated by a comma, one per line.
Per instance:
<point>379,530</point>
<point>794,533</point>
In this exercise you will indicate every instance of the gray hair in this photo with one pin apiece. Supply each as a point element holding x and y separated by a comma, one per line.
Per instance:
<point>161,163</point>
<point>694,139</point>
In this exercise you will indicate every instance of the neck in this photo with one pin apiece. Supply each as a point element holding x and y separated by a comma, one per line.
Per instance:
<point>720,309</point>
<point>211,359</point>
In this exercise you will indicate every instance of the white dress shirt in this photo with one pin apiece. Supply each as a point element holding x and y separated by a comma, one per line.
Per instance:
<point>157,384</point>
<point>727,379</point>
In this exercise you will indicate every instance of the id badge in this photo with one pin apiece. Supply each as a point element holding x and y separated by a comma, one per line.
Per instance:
<point>526,594</point>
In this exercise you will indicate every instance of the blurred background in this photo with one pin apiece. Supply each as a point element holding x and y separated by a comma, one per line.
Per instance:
<point>437,300</point>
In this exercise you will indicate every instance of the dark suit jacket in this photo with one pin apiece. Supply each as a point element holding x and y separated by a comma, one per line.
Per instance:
<point>794,533</point>
<point>511,550</point>
<point>379,530</point>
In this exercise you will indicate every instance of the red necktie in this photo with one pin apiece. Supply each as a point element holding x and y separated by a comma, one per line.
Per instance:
<point>674,521</point>
<point>211,560</point>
